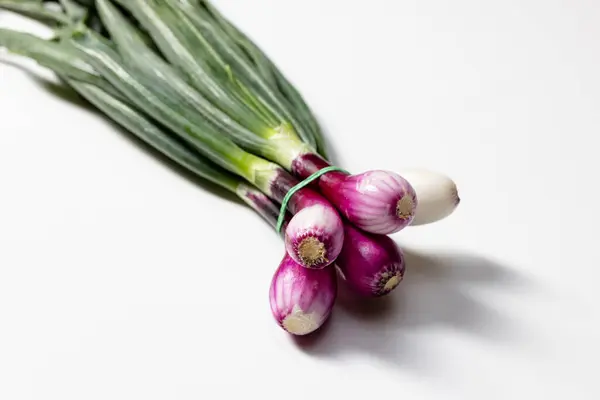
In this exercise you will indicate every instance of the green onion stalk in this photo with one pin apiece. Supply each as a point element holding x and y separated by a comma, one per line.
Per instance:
<point>248,59</point>
<point>313,237</point>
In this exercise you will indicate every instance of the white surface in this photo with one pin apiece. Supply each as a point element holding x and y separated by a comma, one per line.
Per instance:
<point>121,279</point>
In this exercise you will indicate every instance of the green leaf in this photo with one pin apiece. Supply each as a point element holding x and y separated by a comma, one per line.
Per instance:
<point>35,9</point>
<point>251,86</point>
<point>74,11</point>
<point>159,139</point>
<point>150,14</point>
<point>268,70</point>
<point>168,84</point>
<point>262,73</point>
<point>141,92</point>
<point>59,57</point>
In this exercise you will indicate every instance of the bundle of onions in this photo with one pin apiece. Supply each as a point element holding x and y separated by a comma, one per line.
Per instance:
<point>181,77</point>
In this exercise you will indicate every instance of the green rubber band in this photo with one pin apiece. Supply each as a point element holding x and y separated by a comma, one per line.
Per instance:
<point>299,186</point>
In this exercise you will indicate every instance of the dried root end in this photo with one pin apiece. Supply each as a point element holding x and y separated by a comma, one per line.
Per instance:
<point>312,252</point>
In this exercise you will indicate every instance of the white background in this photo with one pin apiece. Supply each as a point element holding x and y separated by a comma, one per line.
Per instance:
<point>120,278</point>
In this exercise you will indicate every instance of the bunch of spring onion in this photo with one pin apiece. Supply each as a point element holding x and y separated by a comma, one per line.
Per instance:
<point>184,79</point>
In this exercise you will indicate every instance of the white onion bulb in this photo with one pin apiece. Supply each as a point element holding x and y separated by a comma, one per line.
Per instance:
<point>437,195</point>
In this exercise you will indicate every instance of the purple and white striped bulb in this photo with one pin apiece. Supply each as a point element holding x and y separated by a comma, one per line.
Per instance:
<point>372,265</point>
<point>378,201</point>
<point>302,298</point>
<point>314,236</point>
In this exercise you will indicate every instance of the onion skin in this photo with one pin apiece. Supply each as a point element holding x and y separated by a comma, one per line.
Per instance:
<point>315,234</point>
<point>437,193</point>
<point>301,298</point>
<point>380,202</point>
<point>372,265</point>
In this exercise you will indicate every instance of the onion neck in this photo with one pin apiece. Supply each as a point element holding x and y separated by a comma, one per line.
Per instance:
<point>307,164</point>
<point>284,146</point>
<point>283,182</point>
<point>285,149</point>
<point>275,182</point>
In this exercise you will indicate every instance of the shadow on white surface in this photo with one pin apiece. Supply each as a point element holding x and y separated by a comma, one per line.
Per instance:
<point>436,296</point>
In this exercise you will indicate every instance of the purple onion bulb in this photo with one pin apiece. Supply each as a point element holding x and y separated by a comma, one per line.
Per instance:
<point>372,265</point>
<point>314,236</point>
<point>302,298</point>
<point>377,201</point>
